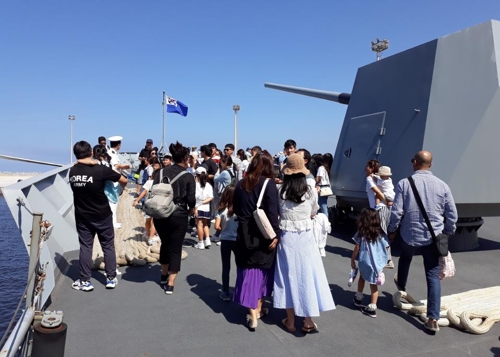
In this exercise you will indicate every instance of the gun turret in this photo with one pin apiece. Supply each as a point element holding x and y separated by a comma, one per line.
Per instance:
<point>338,97</point>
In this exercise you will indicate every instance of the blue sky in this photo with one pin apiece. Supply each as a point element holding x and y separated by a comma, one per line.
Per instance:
<point>108,62</point>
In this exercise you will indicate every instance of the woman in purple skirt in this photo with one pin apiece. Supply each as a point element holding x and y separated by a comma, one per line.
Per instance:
<point>254,254</point>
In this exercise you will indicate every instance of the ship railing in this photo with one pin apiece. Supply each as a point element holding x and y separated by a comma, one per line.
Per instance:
<point>18,341</point>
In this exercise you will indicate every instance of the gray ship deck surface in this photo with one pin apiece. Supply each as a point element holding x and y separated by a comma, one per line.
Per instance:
<point>137,319</point>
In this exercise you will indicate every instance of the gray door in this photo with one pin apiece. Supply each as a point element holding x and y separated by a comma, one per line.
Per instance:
<point>361,142</point>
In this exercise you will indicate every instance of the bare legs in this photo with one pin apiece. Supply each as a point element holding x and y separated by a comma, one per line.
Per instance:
<point>202,228</point>
<point>373,290</point>
<point>172,275</point>
<point>255,314</point>
<point>289,322</point>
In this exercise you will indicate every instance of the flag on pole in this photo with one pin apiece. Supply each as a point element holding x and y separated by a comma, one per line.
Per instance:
<point>174,106</point>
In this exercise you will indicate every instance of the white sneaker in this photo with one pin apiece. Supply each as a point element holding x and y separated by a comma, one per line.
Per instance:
<point>111,283</point>
<point>117,225</point>
<point>199,245</point>
<point>207,242</point>
<point>82,285</point>
<point>218,243</point>
<point>153,240</point>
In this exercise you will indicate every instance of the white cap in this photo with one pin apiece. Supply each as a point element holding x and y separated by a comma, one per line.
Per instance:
<point>115,138</point>
<point>200,170</point>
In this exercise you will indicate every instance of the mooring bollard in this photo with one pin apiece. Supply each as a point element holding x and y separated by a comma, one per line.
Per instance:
<point>49,337</point>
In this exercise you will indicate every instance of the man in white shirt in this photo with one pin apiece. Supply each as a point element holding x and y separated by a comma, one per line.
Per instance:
<point>115,143</point>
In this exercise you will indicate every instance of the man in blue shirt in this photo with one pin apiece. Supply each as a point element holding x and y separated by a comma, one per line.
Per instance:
<point>440,207</point>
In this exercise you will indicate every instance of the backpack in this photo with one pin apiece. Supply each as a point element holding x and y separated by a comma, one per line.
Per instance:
<point>160,202</point>
<point>233,177</point>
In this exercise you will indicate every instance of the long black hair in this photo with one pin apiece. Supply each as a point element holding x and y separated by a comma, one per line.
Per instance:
<point>99,152</point>
<point>327,161</point>
<point>294,187</point>
<point>226,201</point>
<point>368,224</point>
<point>203,177</point>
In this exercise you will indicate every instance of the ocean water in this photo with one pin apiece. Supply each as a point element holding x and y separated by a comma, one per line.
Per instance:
<point>13,266</point>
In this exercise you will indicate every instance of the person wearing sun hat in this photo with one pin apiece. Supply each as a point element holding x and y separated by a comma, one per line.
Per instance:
<point>384,184</point>
<point>300,283</point>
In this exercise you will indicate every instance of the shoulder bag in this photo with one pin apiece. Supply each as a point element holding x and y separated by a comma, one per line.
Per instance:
<point>261,219</point>
<point>441,240</point>
<point>325,190</point>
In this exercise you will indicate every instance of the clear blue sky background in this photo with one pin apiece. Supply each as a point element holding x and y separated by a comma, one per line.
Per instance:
<point>108,62</point>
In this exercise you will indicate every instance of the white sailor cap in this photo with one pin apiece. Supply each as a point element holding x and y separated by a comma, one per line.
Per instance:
<point>115,138</point>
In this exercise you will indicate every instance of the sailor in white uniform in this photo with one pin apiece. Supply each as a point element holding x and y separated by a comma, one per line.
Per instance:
<point>115,143</point>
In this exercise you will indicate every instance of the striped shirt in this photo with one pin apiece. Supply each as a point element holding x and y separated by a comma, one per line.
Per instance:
<point>438,202</point>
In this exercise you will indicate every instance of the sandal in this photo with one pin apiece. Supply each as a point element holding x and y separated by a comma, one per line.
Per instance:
<point>252,325</point>
<point>310,329</point>
<point>291,330</point>
<point>263,312</point>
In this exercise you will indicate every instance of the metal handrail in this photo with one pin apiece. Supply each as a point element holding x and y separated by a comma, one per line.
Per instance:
<point>6,335</point>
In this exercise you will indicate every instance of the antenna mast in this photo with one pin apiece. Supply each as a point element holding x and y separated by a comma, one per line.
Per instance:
<point>379,47</point>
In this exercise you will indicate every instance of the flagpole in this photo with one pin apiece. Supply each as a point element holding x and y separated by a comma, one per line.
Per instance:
<point>163,129</point>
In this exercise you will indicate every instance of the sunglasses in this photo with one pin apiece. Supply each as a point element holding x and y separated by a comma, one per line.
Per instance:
<point>227,149</point>
<point>153,153</point>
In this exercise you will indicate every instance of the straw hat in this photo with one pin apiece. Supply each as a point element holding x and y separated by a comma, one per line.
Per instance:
<point>295,165</point>
<point>384,171</point>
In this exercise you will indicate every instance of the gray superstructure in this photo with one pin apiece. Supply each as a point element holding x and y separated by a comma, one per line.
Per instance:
<point>442,96</point>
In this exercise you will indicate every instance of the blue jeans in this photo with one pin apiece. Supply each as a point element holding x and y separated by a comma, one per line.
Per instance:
<point>431,267</point>
<point>323,206</point>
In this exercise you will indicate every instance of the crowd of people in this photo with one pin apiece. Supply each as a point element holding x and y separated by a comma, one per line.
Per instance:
<point>225,188</point>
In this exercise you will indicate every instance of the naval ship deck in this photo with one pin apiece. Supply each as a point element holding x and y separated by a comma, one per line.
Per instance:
<point>138,319</point>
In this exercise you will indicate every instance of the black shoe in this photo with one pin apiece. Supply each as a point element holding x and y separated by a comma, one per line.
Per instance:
<point>357,302</point>
<point>169,289</point>
<point>164,279</point>
<point>369,311</point>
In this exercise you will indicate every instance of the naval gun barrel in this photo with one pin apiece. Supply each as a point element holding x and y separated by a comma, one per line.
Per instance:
<point>338,97</point>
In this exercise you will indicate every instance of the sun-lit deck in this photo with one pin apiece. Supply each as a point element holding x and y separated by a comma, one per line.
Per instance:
<point>138,319</point>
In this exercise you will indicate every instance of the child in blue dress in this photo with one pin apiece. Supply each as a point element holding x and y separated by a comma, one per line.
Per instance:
<point>370,240</point>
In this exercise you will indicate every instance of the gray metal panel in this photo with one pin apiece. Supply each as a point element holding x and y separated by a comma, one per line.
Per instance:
<point>361,140</point>
<point>463,120</point>
<point>48,193</point>
<point>396,85</point>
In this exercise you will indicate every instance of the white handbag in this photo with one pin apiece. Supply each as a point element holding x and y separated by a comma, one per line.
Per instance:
<point>261,219</point>
<point>325,191</point>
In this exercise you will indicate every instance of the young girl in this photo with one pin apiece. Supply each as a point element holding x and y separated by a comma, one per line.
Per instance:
<point>371,242</point>
<point>151,234</point>
<point>204,194</point>
<point>323,179</point>
<point>226,223</point>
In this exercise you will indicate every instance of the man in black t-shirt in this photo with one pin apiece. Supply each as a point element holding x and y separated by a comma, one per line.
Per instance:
<point>209,164</point>
<point>212,168</point>
<point>93,214</point>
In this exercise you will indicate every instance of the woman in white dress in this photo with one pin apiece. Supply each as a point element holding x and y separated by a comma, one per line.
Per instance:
<point>300,283</point>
